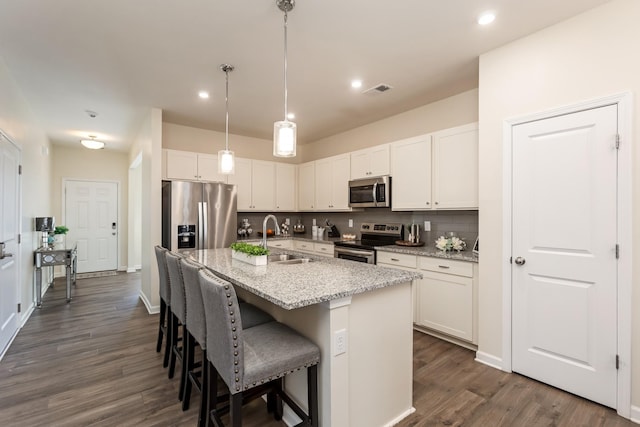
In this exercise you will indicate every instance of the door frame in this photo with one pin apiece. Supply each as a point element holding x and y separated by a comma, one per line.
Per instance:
<point>63,208</point>
<point>624,101</point>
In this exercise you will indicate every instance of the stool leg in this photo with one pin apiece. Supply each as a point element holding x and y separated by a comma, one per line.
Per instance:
<point>174,343</point>
<point>167,349</point>
<point>204,391</point>
<point>188,347</point>
<point>312,394</point>
<point>235,410</point>
<point>161,328</point>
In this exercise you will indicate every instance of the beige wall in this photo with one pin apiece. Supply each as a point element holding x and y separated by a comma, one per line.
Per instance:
<point>590,56</point>
<point>148,143</point>
<point>92,165</point>
<point>178,137</point>
<point>449,112</point>
<point>17,122</point>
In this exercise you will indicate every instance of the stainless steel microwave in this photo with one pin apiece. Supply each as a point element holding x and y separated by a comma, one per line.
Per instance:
<point>370,192</point>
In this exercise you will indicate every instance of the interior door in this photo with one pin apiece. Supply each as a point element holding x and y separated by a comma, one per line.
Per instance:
<point>564,252</point>
<point>91,213</point>
<point>9,247</point>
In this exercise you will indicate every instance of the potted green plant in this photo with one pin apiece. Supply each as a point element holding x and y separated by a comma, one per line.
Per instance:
<point>59,232</point>
<point>251,254</point>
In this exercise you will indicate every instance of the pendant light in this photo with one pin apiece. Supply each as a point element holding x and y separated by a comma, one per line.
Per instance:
<point>284,132</point>
<point>226,161</point>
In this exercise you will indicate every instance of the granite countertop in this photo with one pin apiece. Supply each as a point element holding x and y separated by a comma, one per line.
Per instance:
<point>430,251</point>
<point>293,286</point>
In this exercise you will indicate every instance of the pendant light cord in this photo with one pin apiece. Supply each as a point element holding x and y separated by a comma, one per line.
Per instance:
<point>286,118</point>
<point>226,102</point>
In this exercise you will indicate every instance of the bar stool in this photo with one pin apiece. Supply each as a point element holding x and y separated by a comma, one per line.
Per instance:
<point>165,304</point>
<point>178,318</point>
<point>196,333</point>
<point>252,361</point>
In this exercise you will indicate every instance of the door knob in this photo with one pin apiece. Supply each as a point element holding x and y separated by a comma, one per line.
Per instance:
<point>520,260</point>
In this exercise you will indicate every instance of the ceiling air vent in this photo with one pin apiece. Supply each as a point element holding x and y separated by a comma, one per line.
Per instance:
<point>381,88</point>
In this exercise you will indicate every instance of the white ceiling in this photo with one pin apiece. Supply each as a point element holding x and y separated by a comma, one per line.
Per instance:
<point>120,57</point>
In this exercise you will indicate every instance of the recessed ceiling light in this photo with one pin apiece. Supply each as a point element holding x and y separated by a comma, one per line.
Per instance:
<point>291,116</point>
<point>486,18</point>
<point>203,94</point>
<point>356,84</point>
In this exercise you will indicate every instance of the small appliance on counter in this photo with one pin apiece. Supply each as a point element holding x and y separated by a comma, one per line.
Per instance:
<point>333,230</point>
<point>245,229</point>
<point>298,227</point>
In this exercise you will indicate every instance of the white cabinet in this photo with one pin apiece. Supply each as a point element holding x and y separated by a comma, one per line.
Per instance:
<point>411,174</point>
<point>455,168</point>
<point>285,187</point>
<point>306,186</point>
<point>332,183</point>
<point>192,166</point>
<point>446,297</point>
<point>370,162</point>
<point>436,171</point>
<point>280,243</point>
<point>256,181</point>
<point>319,248</point>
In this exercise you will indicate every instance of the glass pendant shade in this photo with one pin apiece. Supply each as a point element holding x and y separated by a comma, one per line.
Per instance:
<point>226,162</point>
<point>284,139</point>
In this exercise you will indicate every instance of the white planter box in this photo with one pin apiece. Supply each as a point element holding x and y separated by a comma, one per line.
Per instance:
<point>249,259</point>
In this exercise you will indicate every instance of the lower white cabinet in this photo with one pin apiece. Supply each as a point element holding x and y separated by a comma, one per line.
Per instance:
<point>280,244</point>
<point>325,249</point>
<point>445,299</point>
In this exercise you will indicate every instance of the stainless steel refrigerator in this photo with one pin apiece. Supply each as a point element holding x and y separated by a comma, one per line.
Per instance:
<point>198,215</point>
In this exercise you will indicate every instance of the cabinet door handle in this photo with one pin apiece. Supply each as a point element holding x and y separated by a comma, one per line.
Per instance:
<point>444,266</point>
<point>436,203</point>
<point>427,203</point>
<point>395,259</point>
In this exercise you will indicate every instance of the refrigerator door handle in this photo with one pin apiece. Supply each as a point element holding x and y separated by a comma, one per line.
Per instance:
<point>200,226</point>
<point>205,225</point>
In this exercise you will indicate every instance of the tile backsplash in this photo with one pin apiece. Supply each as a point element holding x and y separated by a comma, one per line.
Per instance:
<point>464,223</point>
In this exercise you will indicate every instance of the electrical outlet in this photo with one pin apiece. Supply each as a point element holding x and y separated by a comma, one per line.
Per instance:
<point>339,342</point>
<point>287,221</point>
<point>351,223</point>
<point>313,222</point>
<point>427,226</point>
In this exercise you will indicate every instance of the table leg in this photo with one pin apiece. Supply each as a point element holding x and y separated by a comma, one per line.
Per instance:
<point>68,282</point>
<point>39,287</point>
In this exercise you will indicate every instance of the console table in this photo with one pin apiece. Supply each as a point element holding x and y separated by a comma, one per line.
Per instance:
<point>55,255</point>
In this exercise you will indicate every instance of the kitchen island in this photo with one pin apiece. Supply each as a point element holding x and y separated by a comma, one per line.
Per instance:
<point>360,316</point>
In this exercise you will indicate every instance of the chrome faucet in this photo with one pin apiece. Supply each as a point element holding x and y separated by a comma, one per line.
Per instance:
<point>264,228</point>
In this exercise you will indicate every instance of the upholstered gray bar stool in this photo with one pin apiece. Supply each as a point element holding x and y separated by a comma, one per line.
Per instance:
<point>178,318</point>
<point>165,304</point>
<point>196,333</point>
<point>252,361</point>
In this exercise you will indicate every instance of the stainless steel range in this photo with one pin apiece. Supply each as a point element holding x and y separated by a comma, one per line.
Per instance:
<point>372,235</point>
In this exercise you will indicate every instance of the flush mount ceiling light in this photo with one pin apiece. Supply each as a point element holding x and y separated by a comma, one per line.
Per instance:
<point>226,162</point>
<point>203,94</point>
<point>356,84</point>
<point>92,143</point>
<point>486,18</point>
<point>284,132</point>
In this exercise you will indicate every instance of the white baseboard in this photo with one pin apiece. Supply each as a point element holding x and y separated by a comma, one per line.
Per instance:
<point>489,359</point>
<point>27,314</point>
<point>400,417</point>
<point>152,309</point>
<point>131,270</point>
<point>635,414</point>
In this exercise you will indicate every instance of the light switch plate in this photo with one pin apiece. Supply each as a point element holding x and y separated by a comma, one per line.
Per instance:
<point>351,223</point>
<point>427,226</point>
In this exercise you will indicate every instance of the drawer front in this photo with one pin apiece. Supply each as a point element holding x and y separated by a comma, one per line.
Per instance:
<point>282,244</point>
<point>400,260</point>
<point>303,246</point>
<point>447,266</point>
<point>325,249</point>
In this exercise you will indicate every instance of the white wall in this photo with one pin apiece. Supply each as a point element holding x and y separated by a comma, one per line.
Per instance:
<point>19,124</point>
<point>592,55</point>
<point>149,144</point>
<point>99,165</point>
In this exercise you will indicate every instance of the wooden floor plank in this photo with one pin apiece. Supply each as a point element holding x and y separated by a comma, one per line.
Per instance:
<point>93,363</point>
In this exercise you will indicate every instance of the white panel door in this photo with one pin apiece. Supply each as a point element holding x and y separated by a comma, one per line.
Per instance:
<point>564,250</point>
<point>91,213</point>
<point>9,231</point>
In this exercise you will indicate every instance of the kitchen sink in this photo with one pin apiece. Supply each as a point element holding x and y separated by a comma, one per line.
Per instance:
<point>287,259</point>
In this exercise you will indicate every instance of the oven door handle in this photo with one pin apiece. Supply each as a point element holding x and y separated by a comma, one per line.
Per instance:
<point>353,251</point>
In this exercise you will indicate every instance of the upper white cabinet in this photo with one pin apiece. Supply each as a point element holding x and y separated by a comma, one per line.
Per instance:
<point>411,174</point>
<point>307,186</point>
<point>436,171</point>
<point>370,162</point>
<point>285,187</point>
<point>192,166</point>
<point>455,168</point>
<point>256,181</point>
<point>332,183</point>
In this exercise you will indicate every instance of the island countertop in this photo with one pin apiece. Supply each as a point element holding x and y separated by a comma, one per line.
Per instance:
<point>292,286</point>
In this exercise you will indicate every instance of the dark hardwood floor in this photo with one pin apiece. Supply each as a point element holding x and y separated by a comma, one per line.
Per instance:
<point>93,362</point>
